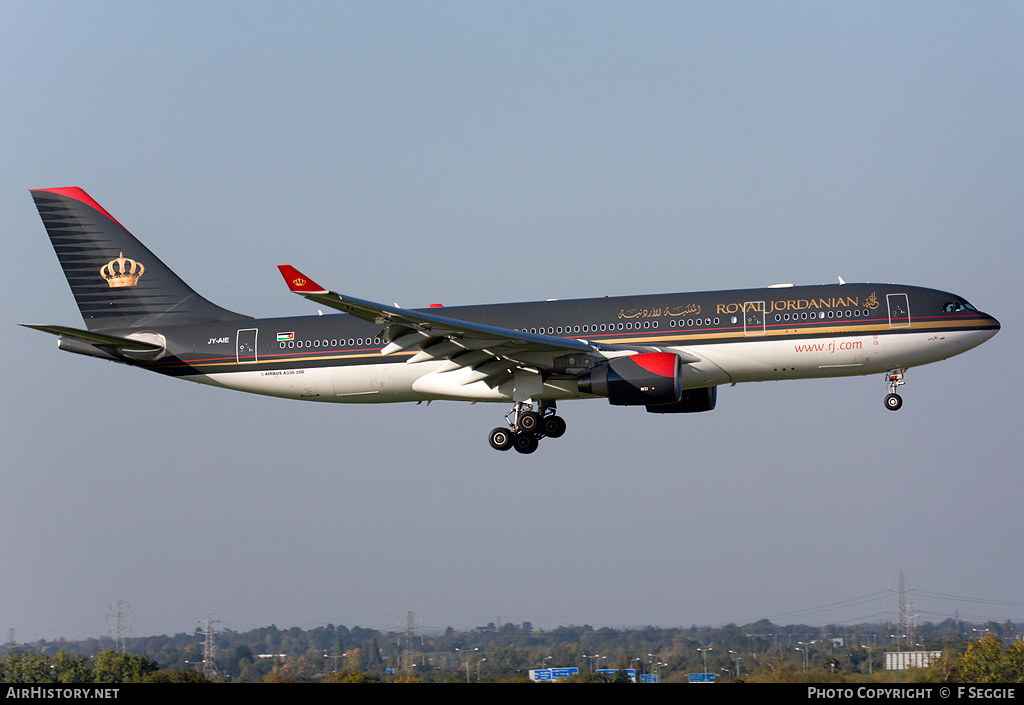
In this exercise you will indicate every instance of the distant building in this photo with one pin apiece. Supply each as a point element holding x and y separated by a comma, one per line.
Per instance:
<point>902,660</point>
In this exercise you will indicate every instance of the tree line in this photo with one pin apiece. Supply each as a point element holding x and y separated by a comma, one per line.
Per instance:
<point>756,652</point>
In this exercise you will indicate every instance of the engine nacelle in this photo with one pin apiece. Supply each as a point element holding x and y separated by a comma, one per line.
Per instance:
<point>691,401</point>
<point>83,348</point>
<point>642,379</point>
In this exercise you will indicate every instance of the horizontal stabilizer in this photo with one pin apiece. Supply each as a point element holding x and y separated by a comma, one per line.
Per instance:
<point>87,336</point>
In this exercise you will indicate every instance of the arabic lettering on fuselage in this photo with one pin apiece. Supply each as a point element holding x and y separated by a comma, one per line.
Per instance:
<point>689,310</point>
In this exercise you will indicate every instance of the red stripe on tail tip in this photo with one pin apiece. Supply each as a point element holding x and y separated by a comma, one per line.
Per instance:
<point>80,195</point>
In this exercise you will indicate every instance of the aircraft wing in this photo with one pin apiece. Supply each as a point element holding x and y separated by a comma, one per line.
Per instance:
<point>494,354</point>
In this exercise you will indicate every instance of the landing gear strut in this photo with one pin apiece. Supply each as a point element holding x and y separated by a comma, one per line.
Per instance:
<point>894,401</point>
<point>527,427</point>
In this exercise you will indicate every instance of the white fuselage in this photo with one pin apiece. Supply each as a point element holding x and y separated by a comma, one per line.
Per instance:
<point>719,363</point>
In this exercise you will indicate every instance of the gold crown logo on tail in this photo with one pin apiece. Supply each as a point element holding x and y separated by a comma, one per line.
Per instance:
<point>122,271</point>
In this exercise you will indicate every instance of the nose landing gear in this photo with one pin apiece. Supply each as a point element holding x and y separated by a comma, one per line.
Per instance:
<point>894,401</point>
<point>527,427</point>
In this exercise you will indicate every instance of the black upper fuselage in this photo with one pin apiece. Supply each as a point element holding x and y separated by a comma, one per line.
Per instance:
<point>659,320</point>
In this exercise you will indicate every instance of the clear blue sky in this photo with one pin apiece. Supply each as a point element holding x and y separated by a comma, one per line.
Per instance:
<point>464,152</point>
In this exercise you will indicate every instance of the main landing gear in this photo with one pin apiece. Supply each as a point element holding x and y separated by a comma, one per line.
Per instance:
<point>894,401</point>
<point>527,427</point>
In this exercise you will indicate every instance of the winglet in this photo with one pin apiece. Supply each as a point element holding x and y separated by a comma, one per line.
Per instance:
<point>298,282</point>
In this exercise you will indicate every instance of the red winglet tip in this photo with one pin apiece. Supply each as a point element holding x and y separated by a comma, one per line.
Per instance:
<point>299,282</point>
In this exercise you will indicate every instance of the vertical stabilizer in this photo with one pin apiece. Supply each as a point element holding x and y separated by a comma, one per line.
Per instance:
<point>116,280</point>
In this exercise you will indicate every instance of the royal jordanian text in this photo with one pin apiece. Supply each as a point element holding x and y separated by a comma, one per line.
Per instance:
<point>798,304</point>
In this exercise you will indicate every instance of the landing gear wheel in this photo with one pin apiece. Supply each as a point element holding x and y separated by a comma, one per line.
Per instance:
<point>553,426</point>
<point>526,442</point>
<point>527,426</point>
<point>893,402</point>
<point>501,439</point>
<point>529,421</point>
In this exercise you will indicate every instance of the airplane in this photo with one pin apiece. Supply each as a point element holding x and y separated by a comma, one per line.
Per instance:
<point>668,353</point>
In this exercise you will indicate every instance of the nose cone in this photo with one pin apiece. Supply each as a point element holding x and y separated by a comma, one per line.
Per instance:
<point>988,326</point>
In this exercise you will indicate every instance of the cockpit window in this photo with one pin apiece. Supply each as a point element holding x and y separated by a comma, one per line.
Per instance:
<point>954,306</point>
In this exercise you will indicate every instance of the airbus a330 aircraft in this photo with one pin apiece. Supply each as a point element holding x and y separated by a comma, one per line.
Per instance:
<point>665,352</point>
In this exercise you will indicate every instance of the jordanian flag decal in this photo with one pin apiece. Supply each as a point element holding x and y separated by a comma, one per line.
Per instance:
<point>285,337</point>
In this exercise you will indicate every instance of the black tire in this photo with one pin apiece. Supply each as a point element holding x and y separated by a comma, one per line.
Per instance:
<point>501,439</point>
<point>893,402</point>
<point>553,426</point>
<point>526,443</point>
<point>529,422</point>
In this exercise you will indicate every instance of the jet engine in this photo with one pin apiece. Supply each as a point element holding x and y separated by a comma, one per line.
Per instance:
<point>643,379</point>
<point>690,401</point>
